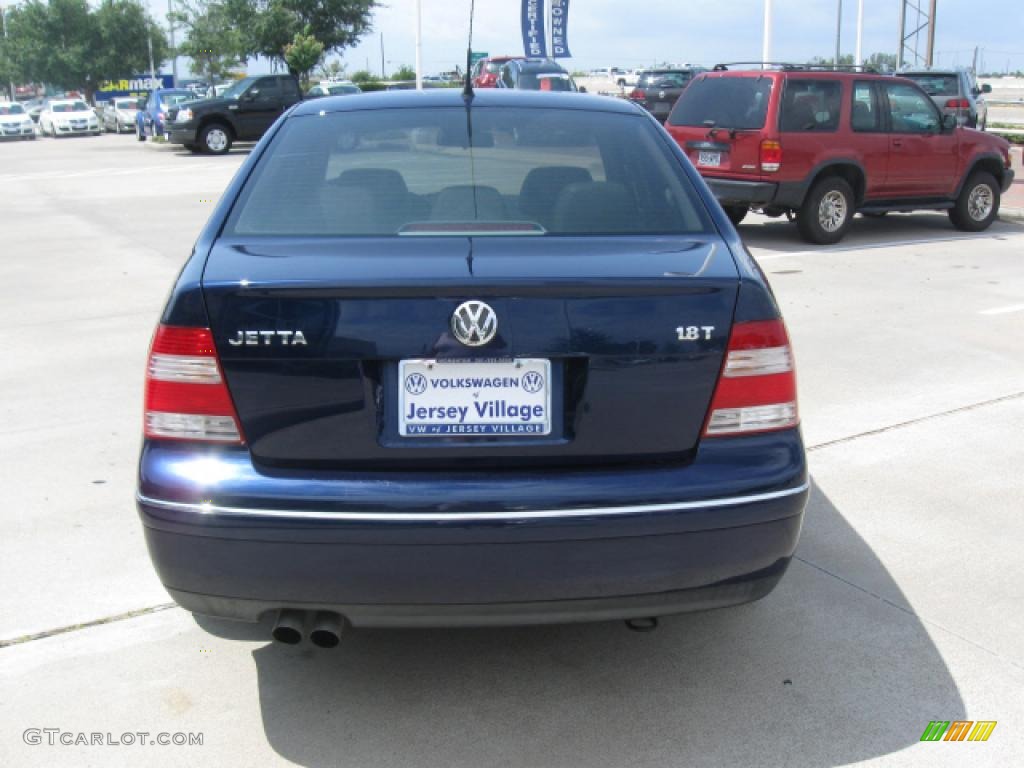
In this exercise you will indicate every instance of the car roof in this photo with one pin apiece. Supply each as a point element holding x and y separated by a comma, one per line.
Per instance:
<point>482,98</point>
<point>908,72</point>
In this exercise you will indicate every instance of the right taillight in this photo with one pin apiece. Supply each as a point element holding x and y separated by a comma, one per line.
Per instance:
<point>757,389</point>
<point>771,156</point>
<point>186,395</point>
<point>958,104</point>
<point>638,94</point>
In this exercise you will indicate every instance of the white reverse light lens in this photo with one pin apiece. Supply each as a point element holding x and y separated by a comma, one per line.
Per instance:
<point>755,418</point>
<point>190,426</point>
<point>184,368</point>
<point>758,362</point>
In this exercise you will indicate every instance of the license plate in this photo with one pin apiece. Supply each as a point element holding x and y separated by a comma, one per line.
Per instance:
<point>466,398</point>
<point>709,159</point>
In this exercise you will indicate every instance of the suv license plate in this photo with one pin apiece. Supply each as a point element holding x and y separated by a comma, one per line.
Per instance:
<point>466,398</point>
<point>709,159</point>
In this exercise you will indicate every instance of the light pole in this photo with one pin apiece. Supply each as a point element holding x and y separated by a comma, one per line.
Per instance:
<point>839,30</point>
<point>766,42</point>
<point>174,52</point>
<point>3,16</point>
<point>859,57</point>
<point>419,45</point>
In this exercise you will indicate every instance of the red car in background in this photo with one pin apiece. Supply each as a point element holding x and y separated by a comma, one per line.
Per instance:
<point>486,71</point>
<point>821,145</point>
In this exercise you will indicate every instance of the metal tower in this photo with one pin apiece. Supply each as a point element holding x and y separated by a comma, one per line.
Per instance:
<point>915,21</point>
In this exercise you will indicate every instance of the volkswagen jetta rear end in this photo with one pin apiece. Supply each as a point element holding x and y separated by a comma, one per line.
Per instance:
<point>447,361</point>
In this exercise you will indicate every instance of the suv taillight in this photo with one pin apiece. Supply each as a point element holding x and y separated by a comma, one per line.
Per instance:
<point>186,396</point>
<point>958,104</point>
<point>771,156</point>
<point>757,389</point>
<point>638,94</point>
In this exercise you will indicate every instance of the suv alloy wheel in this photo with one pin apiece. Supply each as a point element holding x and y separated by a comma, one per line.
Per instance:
<point>978,203</point>
<point>827,211</point>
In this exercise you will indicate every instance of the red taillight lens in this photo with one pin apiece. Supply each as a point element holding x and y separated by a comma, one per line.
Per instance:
<point>186,396</point>
<point>958,104</point>
<point>638,94</point>
<point>757,389</point>
<point>771,156</point>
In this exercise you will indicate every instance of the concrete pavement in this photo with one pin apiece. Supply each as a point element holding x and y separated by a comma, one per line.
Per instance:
<point>903,605</point>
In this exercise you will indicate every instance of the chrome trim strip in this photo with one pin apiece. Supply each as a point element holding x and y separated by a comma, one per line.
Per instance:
<point>459,517</point>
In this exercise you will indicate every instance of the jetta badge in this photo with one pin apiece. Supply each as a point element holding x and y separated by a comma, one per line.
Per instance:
<point>474,323</point>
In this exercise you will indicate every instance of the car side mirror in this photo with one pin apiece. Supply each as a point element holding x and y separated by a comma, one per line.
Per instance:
<point>583,89</point>
<point>986,88</point>
<point>251,95</point>
<point>948,123</point>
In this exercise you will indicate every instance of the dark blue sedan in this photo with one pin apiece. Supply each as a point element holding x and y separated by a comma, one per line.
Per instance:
<point>441,361</point>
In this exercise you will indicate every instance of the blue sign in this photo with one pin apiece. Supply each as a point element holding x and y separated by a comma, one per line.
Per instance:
<point>535,44</point>
<point>135,86</point>
<point>560,29</point>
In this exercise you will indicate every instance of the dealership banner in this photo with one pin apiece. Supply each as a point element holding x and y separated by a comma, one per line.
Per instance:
<point>535,44</point>
<point>559,29</point>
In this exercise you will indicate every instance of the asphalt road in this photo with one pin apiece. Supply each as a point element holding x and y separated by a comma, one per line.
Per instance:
<point>905,603</point>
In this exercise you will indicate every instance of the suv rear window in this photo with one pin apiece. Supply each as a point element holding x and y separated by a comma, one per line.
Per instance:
<point>413,172</point>
<point>936,85</point>
<point>810,105</point>
<point>726,102</point>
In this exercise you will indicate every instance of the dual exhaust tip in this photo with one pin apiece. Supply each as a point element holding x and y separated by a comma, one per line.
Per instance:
<point>325,628</point>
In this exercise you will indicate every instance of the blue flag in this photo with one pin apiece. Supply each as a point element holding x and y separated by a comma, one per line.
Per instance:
<point>535,45</point>
<point>560,29</point>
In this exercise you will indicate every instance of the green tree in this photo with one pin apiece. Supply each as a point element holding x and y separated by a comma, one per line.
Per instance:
<point>72,46</point>
<point>404,72</point>
<point>269,26</point>
<point>302,54</point>
<point>212,42</point>
<point>332,70</point>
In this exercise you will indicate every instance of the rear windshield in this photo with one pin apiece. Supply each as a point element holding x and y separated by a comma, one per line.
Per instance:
<point>936,85</point>
<point>126,104</point>
<point>545,81</point>
<point>415,172</point>
<point>725,102</point>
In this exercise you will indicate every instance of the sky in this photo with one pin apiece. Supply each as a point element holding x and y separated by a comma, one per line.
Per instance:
<point>642,32</point>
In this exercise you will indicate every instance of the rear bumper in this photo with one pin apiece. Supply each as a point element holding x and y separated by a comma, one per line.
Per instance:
<point>416,561</point>
<point>731,192</point>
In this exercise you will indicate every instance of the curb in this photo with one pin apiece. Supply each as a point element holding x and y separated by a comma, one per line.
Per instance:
<point>1011,214</point>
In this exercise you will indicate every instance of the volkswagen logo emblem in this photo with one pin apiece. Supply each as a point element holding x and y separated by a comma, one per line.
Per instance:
<point>474,323</point>
<point>533,382</point>
<point>416,384</point>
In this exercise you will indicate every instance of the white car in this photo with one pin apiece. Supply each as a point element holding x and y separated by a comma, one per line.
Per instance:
<point>15,122</point>
<point>68,117</point>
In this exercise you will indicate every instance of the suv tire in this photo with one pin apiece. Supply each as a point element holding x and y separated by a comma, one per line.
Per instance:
<point>978,204</point>
<point>827,211</point>
<point>736,213</point>
<point>215,139</point>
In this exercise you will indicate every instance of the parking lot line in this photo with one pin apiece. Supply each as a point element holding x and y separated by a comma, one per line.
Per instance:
<point>1003,310</point>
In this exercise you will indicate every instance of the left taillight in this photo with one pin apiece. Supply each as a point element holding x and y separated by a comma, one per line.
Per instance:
<point>186,395</point>
<point>770,156</point>
<point>756,391</point>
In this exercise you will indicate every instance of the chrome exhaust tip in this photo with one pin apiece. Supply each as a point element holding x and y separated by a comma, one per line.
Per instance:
<point>288,627</point>
<point>327,629</point>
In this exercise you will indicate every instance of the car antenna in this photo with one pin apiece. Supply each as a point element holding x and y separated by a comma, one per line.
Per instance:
<point>467,91</point>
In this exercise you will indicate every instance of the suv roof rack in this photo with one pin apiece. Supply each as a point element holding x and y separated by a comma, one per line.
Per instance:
<point>789,66</point>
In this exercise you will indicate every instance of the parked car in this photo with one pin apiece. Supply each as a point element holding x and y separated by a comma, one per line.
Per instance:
<point>616,75</point>
<point>658,89</point>
<point>956,92</point>
<point>15,122</point>
<point>333,89</point>
<point>243,113</point>
<point>535,75</point>
<point>824,145</point>
<point>119,114</point>
<point>485,72</point>
<point>68,117</point>
<point>152,121</point>
<point>347,425</point>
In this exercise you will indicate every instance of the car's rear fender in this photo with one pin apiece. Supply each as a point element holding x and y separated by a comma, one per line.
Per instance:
<point>791,194</point>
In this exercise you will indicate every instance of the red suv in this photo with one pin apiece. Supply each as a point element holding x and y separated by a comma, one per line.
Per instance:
<point>485,72</point>
<point>826,144</point>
